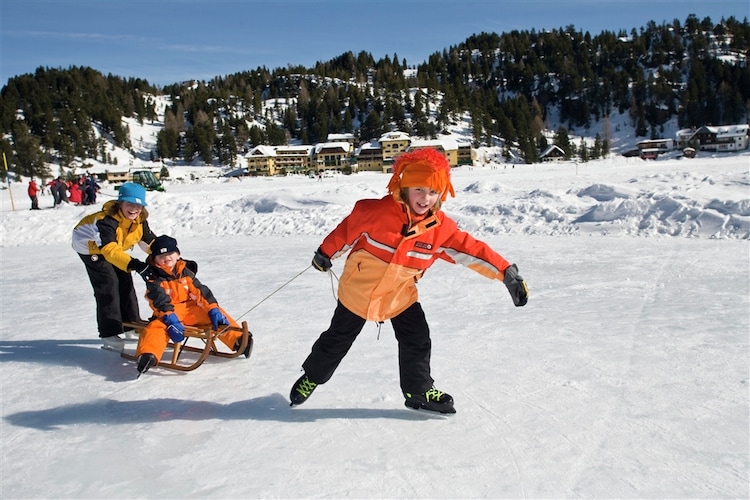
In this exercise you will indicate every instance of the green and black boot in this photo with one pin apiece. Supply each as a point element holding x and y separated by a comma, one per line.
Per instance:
<point>301,390</point>
<point>432,400</point>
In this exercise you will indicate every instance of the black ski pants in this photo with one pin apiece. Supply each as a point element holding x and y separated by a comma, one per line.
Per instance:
<point>114,294</point>
<point>414,347</point>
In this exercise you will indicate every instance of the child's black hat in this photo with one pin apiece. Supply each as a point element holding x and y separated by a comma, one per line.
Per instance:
<point>163,244</point>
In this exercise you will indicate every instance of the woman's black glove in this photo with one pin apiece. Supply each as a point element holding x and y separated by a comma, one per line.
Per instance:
<point>517,288</point>
<point>321,261</point>
<point>145,270</point>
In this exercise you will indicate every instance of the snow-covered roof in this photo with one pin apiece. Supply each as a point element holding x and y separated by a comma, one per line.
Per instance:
<point>340,137</point>
<point>372,145</point>
<point>395,136</point>
<point>345,146</point>
<point>447,144</point>
<point>261,150</point>
<point>550,149</point>
<point>303,148</point>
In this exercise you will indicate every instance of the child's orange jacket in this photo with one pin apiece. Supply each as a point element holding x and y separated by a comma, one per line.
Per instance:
<point>177,291</point>
<point>389,252</point>
<point>181,293</point>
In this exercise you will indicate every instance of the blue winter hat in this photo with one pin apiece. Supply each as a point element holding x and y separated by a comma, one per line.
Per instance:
<point>133,193</point>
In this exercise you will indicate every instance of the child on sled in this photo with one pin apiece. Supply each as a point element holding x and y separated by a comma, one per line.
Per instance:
<point>178,299</point>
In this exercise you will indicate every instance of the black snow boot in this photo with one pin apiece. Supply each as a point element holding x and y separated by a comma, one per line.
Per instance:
<point>248,347</point>
<point>145,361</point>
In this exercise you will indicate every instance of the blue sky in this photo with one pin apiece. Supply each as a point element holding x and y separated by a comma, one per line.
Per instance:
<point>167,41</point>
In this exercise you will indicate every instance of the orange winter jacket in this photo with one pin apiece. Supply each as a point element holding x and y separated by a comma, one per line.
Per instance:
<point>390,251</point>
<point>176,291</point>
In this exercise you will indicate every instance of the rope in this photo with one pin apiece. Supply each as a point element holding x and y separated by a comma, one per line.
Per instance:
<point>273,293</point>
<point>333,275</point>
<point>333,292</point>
<point>333,287</point>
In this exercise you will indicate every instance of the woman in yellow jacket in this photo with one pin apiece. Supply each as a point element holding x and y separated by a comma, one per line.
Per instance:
<point>102,240</point>
<point>391,242</point>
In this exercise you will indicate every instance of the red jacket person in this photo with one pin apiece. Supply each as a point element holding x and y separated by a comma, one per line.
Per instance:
<point>390,243</point>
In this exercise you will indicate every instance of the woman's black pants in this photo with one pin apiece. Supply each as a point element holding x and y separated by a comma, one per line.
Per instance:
<point>114,294</point>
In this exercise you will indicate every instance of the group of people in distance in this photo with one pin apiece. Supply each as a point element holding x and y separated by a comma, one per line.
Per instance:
<point>389,242</point>
<point>80,191</point>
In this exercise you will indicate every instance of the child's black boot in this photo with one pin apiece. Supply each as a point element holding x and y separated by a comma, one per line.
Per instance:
<point>301,390</point>
<point>145,361</point>
<point>433,400</point>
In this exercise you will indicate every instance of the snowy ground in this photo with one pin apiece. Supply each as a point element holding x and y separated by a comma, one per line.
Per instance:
<point>626,375</point>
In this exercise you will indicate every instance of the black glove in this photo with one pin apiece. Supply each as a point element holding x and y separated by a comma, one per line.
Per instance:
<point>145,270</point>
<point>517,288</point>
<point>321,261</point>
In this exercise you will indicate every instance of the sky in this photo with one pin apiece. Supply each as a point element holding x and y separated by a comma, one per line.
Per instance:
<point>625,376</point>
<point>172,41</point>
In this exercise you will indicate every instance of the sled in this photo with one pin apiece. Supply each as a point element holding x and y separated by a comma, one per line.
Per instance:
<point>200,340</point>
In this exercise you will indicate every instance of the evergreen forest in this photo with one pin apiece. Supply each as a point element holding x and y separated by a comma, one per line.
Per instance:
<point>694,71</point>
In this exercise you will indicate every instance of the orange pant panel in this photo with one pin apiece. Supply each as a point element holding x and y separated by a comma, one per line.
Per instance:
<point>154,338</point>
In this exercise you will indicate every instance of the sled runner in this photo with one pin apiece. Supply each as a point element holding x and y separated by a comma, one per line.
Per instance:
<point>200,341</point>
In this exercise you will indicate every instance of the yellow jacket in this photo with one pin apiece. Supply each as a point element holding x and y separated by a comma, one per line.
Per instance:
<point>109,234</point>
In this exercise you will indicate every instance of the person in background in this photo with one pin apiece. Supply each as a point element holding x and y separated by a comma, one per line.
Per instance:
<point>76,197</point>
<point>33,192</point>
<point>53,189</point>
<point>92,188</point>
<point>61,188</point>
<point>178,298</point>
<point>391,242</point>
<point>102,240</point>
<point>81,181</point>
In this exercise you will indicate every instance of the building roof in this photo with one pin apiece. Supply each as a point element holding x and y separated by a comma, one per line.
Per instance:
<point>369,146</point>
<point>724,130</point>
<point>300,149</point>
<point>261,150</point>
<point>447,144</point>
<point>343,147</point>
<point>340,137</point>
<point>552,148</point>
<point>395,136</point>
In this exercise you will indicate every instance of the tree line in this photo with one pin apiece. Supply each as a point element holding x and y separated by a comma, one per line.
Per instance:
<point>695,71</point>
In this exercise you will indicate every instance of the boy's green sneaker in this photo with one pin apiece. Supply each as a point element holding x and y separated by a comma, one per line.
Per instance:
<point>301,390</point>
<point>433,400</point>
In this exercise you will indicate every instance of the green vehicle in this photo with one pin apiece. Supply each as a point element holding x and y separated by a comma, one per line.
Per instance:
<point>147,179</point>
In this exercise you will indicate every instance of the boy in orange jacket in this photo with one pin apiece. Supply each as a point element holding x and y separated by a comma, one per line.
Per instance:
<point>391,242</point>
<point>177,298</point>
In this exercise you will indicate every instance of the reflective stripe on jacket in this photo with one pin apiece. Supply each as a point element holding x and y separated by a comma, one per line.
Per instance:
<point>389,252</point>
<point>110,234</point>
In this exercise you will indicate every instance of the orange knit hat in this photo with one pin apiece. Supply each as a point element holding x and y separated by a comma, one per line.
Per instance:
<point>426,167</point>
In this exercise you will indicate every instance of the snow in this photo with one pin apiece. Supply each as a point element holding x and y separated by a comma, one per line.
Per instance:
<point>625,376</point>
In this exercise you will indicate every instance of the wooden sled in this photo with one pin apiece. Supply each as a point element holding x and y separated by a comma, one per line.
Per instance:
<point>193,334</point>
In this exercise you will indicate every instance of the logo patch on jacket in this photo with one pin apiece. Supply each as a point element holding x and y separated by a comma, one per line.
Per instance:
<point>424,246</point>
